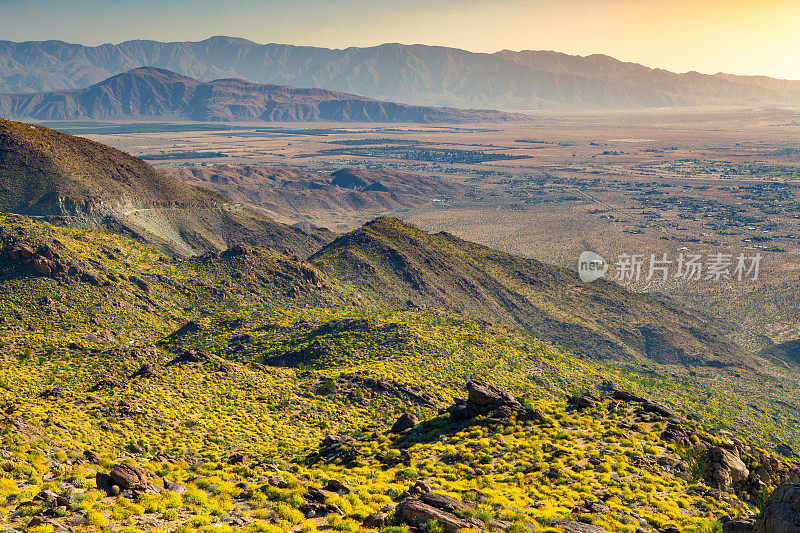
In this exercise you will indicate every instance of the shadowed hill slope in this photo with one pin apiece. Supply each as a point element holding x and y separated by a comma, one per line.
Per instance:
<point>82,183</point>
<point>393,263</point>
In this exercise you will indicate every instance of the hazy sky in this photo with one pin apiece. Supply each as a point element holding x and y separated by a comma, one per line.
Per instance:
<point>736,36</point>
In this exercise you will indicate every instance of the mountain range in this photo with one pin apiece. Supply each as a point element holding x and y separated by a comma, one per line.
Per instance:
<point>149,92</point>
<point>412,74</point>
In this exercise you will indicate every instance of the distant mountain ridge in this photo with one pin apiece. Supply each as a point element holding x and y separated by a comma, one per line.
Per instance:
<point>412,74</point>
<point>149,92</point>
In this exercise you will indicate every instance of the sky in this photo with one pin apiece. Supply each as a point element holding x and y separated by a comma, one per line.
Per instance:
<point>709,36</point>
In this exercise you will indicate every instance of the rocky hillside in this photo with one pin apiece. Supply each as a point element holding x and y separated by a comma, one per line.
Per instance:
<point>150,92</point>
<point>249,390</point>
<point>394,382</point>
<point>78,182</point>
<point>413,74</point>
<point>396,264</point>
<point>297,195</point>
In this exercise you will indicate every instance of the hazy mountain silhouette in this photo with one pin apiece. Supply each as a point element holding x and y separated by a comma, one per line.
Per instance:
<point>154,92</point>
<point>413,74</point>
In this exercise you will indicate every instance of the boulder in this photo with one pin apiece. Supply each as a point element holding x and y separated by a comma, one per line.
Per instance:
<point>337,486</point>
<point>143,285</point>
<point>418,513</point>
<point>42,266</point>
<point>91,456</point>
<point>585,401</point>
<point>504,411</point>
<point>443,502</point>
<point>648,405</point>
<point>317,495</point>
<point>728,469</point>
<point>104,483</point>
<point>89,278</point>
<point>46,498</point>
<point>740,525</point>
<point>781,511</point>
<point>55,392</point>
<point>277,482</point>
<point>484,395</point>
<point>105,384</point>
<point>420,487</point>
<point>133,477</point>
<point>534,415</point>
<point>762,475</point>
<point>404,424</point>
<point>174,487</point>
<point>238,459</point>
<point>145,371</point>
<point>657,408</point>
<point>235,250</point>
<point>625,396</point>
<point>568,526</point>
<point>482,399</point>
<point>786,450</point>
<point>25,252</point>
<point>316,509</point>
<point>375,520</point>
<point>723,478</point>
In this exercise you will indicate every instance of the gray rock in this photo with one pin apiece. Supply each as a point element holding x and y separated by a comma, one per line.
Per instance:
<point>781,511</point>
<point>740,525</point>
<point>133,478</point>
<point>375,520</point>
<point>568,526</point>
<point>405,423</point>
<point>418,513</point>
<point>278,482</point>
<point>483,394</point>
<point>443,502</point>
<point>174,487</point>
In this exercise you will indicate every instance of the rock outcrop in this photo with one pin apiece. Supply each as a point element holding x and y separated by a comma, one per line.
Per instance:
<point>727,468</point>
<point>439,508</point>
<point>781,512</point>
<point>404,424</point>
<point>484,399</point>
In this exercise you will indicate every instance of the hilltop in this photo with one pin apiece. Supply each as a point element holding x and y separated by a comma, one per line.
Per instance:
<point>395,263</point>
<point>48,174</point>
<point>149,92</point>
<point>249,390</point>
<point>413,74</point>
<point>298,195</point>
